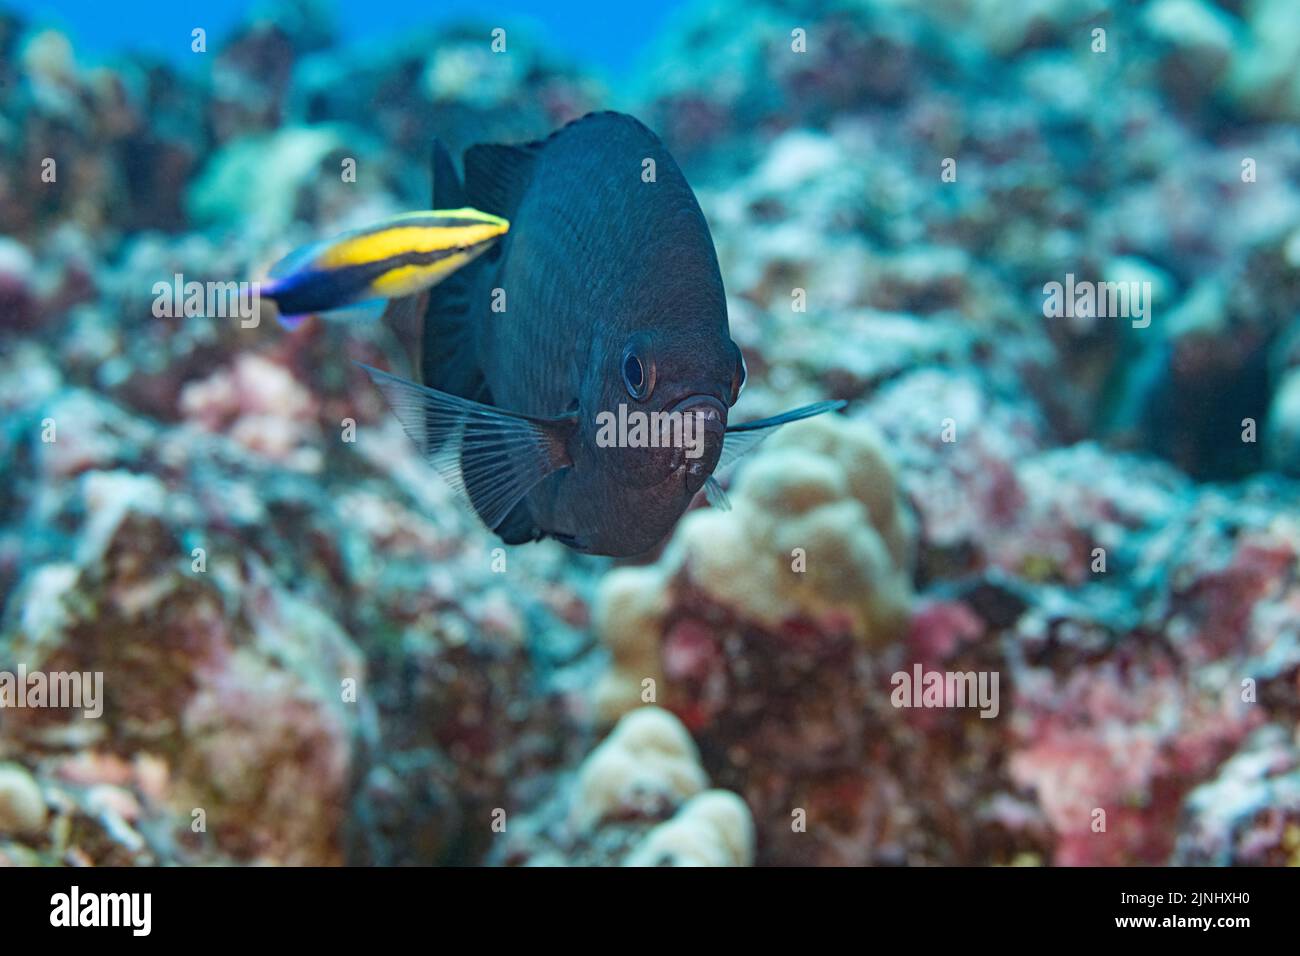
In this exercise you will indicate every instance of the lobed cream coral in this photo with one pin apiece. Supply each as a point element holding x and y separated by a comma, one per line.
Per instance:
<point>713,828</point>
<point>22,807</point>
<point>816,534</point>
<point>647,764</point>
<point>648,769</point>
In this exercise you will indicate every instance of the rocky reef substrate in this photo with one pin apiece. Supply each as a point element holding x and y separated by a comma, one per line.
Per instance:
<point>312,654</point>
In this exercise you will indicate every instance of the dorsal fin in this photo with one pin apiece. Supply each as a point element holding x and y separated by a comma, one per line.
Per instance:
<point>496,176</point>
<point>443,352</point>
<point>447,190</point>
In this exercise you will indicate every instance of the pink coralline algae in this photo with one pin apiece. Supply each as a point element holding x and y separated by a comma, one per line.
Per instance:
<point>1136,641</point>
<point>260,405</point>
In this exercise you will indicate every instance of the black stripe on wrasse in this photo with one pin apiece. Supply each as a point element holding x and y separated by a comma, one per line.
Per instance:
<point>320,291</point>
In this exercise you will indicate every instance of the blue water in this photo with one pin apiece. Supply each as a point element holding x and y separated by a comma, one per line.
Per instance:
<point>590,31</point>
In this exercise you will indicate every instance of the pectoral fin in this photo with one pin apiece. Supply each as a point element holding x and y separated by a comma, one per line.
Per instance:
<point>489,456</point>
<point>716,495</point>
<point>404,319</point>
<point>743,438</point>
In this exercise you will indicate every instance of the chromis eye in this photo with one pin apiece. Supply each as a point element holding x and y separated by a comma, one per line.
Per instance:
<point>633,374</point>
<point>635,377</point>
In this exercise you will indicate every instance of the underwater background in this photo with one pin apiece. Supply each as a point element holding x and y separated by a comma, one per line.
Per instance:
<point>312,653</point>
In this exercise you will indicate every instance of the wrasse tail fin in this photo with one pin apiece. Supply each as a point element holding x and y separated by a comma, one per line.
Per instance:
<point>744,438</point>
<point>489,456</point>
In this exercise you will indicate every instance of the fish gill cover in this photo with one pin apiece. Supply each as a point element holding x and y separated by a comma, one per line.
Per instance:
<point>1031,597</point>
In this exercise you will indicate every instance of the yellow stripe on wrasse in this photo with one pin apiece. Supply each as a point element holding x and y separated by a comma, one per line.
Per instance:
<point>407,280</point>
<point>403,237</point>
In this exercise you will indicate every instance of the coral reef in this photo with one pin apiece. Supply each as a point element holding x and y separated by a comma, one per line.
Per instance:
<point>312,654</point>
<point>638,799</point>
<point>233,673</point>
<point>816,542</point>
<point>22,806</point>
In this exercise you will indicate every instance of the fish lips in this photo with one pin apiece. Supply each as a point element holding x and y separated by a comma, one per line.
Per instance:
<point>708,428</point>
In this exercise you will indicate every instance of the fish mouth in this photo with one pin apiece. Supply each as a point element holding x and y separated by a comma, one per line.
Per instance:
<point>710,425</point>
